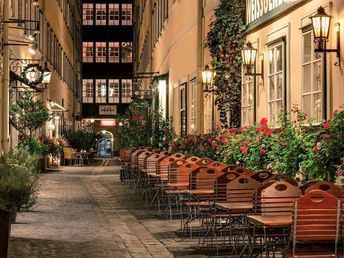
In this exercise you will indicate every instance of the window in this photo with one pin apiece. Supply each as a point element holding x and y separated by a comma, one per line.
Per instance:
<point>276,82</point>
<point>114,52</point>
<point>101,91</point>
<point>193,97</point>
<point>87,14</point>
<point>162,86</point>
<point>126,90</point>
<point>312,79</point>
<point>100,14</point>
<point>113,14</point>
<point>127,14</point>
<point>114,91</point>
<point>87,52</point>
<point>127,52</point>
<point>101,52</point>
<point>183,109</point>
<point>87,91</point>
<point>247,98</point>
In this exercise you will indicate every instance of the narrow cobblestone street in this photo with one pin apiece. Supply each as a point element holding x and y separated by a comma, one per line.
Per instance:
<point>88,212</point>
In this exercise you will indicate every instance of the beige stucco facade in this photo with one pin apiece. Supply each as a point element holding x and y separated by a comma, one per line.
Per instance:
<point>294,27</point>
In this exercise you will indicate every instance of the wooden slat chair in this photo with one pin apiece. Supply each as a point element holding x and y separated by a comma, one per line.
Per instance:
<point>225,223</point>
<point>126,166</point>
<point>218,166</point>
<point>229,168</point>
<point>262,175</point>
<point>193,159</point>
<point>69,157</point>
<point>204,161</point>
<point>315,226</point>
<point>306,185</point>
<point>243,171</point>
<point>283,178</point>
<point>179,155</point>
<point>326,187</point>
<point>273,199</point>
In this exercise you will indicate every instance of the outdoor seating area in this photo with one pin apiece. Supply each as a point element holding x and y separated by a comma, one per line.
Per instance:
<point>231,209</point>
<point>72,157</point>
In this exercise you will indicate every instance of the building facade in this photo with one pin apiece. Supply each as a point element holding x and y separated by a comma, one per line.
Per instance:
<point>45,33</point>
<point>294,75</point>
<point>107,29</point>
<point>169,41</point>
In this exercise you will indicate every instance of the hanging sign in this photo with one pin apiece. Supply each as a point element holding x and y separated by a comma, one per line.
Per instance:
<point>107,110</point>
<point>258,9</point>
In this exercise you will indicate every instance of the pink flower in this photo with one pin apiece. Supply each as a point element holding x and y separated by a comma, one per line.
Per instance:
<point>262,151</point>
<point>215,145</point>
<point>327,136</point>
<point>243,149</point>
<point>245,142</point>
<point>339,172</point>
<point>315,149</point>
<point>256,143</point>
<point>263,121</point>
<point>327,125</point>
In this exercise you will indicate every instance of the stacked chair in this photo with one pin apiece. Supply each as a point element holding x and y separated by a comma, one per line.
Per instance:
<point>236,210</point>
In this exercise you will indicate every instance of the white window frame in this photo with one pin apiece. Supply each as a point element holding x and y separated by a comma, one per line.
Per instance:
<point>87,90</point>
<point>114,52</point>
<point>247,100</point>
<point>126,89</point>
<point>100,14</point>
<point>87,14</point>
<point>275,112</point>
<point>100,91</point>
<point>101,52</point>
<point>114,90</point>
<point>314,59</point>
<point>114,14</point>
<point>87,52</point>
<point>127,14</point>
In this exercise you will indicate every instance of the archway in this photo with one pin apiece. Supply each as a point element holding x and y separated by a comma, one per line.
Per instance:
<point>105,140</point>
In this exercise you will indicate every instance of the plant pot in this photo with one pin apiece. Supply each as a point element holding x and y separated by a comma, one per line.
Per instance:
<point>42,163</point>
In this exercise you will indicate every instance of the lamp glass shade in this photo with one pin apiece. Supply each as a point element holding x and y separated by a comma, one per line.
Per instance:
<point>321,24</point>
<point>249,54</point>
<point>46,77</point>
<point>207,75</point>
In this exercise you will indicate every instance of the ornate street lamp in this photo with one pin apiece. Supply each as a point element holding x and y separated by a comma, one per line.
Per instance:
<point>34,74</point>
<point>249,56</point>
<point>207,78</point>
<point>321,22</point>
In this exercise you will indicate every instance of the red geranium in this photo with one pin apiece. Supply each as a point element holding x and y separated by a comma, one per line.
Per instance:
<point>243,149</point>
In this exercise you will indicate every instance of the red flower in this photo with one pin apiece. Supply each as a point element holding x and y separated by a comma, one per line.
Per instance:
<point>215,145</point>
<point>245,142</point>
<point>327,136</point>
<point>262,128</point>
<point>327,125</point>
<point>224,141</point>
<point>239,130</point>
<point>262,151</point>
<point>339,172</point>
<point>263,121</point>
<point>256,143</point>
<point>315,149</point>
<point>269,132</point>
<point>243,149</point>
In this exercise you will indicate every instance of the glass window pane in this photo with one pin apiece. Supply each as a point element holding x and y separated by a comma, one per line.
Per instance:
<point>307,78</point>
<point>307,104</point>
<point>271,88</point>
<point>101,91</point>
<point>317,79</point>
<point>307,47</point>
<point>279,62</point>
<point>271,61</point>
<point>317,106</point>
<point>279,86</point>
<point>126,90</point>
<point>272,113</point>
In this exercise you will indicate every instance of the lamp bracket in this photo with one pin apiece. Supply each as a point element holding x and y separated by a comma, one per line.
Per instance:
<point>261,74</point>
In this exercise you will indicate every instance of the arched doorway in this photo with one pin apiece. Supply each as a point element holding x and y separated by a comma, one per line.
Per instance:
<point>105,141</point>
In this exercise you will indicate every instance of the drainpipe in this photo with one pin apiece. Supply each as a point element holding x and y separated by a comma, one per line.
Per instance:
<point>5,84</point>
<point>200,59</point>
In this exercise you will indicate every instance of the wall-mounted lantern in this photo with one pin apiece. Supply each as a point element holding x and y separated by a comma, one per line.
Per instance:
<point>321,22</point>
<point>34,74</point>
<point>249,57</point>
<point>207,78</point>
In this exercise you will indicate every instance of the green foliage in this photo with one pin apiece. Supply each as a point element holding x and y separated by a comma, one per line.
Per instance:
<point>140,126</point>
<point>225,40</point>
<point>18,180</point>
<point>28,114</point>
<point>80,140</point>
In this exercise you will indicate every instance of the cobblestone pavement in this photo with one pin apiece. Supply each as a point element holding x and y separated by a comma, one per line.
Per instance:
<point>88,212</point>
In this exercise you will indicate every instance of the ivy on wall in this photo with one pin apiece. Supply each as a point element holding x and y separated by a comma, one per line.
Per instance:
<point>225,40</point>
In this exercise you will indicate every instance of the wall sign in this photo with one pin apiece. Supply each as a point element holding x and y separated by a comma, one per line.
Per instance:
<point>107,122</point>
<point>107,110</point>
<point>257,9</point>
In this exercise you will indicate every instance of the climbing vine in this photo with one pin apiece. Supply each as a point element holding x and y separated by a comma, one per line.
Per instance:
<point>225,40</point>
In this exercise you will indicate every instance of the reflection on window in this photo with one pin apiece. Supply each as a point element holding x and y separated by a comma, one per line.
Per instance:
<point>101,91</point>
<point>101,52</point>
<point>113,91</point>
<point>113,52</point>
<point>87,14</point>
<point>127,14</point>
<point>87,91</point>
<point>100,14</point>
<point>126,90</point>
<point>276,82</point>
<point>247,96</point>
<point>127,52</point>
<point>87,52</point>
<point>183,109</point>
<point>312,79</point>
<point>113,14</point>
